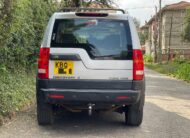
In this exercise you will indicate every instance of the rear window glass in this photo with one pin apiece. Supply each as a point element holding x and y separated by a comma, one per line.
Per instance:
<point>102,39</point>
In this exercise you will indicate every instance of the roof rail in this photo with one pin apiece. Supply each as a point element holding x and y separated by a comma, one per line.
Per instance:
<point>71,9</point>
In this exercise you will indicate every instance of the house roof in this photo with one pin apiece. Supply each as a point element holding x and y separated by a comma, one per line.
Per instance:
<point>151,20</point>
<point>176,6</point>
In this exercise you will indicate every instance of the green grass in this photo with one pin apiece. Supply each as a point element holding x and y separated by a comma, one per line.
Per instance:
<point>178,69</point>
<point>17,89</point>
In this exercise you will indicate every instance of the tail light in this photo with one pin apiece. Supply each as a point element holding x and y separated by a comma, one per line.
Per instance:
<point>138,65</point>
<point>43,63</point>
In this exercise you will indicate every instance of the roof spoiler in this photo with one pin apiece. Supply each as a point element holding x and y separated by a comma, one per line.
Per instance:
<point>71,9</point>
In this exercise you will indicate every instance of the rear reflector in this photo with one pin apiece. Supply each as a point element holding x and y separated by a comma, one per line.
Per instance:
<point>55,96</point>
<point>122,97</point>
<point>138,65</point>
<point>92,14</point>
<point>43,63</point>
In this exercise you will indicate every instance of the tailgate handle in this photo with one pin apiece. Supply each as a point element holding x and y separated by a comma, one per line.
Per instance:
<point>65,57</point>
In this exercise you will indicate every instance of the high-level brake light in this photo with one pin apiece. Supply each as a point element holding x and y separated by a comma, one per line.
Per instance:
<point>92,14</point>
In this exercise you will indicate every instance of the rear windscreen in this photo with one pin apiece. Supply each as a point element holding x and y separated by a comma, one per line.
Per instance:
<point>102,39</point>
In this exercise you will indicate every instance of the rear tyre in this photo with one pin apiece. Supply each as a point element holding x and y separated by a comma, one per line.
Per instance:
<point>44,114</point>
<point>134,113</point>
<point>44,111</point>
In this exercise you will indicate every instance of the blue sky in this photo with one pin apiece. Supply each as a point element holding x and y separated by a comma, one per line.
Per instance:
<point>143,9</point>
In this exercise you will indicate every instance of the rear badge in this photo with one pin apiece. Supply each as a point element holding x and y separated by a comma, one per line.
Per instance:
<point>64,77</point>
<point>115,78</point>
<point>124,78</point>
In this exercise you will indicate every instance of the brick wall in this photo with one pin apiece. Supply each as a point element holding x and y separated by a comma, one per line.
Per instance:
<point>177,20</point>
<point>176,53</point>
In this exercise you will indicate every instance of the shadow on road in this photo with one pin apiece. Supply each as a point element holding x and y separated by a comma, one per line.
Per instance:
<point>76,123</point>
<point>157,122</point>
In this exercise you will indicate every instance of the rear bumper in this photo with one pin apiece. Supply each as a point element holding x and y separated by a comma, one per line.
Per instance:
<point>77,96</point>
<point>94,92</point>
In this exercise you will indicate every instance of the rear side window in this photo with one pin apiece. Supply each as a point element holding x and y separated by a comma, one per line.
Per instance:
<point>102,39</point>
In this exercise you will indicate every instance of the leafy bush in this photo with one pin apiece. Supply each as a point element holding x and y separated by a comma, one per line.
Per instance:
<point>16,89</point>
<point>22,24</point>
<point>183,71</point>
<point>148,58</point>
<point>21,30</point>
<point>177,68</point>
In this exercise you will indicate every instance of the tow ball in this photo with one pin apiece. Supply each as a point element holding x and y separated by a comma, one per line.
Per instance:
<point>90,108</point>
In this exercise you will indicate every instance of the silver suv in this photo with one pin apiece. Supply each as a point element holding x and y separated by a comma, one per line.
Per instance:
<point>90,59</point>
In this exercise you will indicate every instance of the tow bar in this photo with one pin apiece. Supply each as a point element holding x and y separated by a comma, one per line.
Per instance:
<point>90,107</point>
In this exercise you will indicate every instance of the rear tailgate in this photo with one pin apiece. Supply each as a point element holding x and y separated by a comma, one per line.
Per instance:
<point>86,68</point>
<point>91,49</point>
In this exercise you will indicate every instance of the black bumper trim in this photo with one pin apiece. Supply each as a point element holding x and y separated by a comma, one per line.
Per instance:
<point>91,91</point>
<point>94,96</point>
<point>90,84</point>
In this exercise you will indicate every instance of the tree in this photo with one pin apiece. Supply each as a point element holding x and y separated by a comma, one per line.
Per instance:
<point>143,37</point>
<point>22,26</point>
<point>186,33</point>
<point>5,19</point>
<point>77,3</point>
<point>104,2</point>
<point>71,3</point>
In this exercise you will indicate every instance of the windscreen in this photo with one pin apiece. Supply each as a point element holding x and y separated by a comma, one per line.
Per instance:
<point>102,39</point>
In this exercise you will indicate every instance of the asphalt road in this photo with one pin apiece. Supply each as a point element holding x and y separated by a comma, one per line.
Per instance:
<point>166,115</point>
